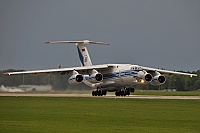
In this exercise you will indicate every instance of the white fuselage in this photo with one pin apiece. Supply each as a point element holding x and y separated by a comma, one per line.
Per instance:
<point>121,75</point>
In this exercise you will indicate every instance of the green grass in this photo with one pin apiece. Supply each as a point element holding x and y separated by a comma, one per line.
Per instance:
<point>165,93</point>
<point>64,114</point>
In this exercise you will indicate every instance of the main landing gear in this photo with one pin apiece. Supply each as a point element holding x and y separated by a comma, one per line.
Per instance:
<point>122,93</point>
<point>99,93</point>
<point>125,92</point>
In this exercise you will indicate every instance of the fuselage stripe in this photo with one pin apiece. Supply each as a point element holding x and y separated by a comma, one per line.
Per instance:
<point>119,74</point>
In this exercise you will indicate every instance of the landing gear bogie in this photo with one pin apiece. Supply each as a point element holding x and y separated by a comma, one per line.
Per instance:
<point>125,92</point>
<point>99,93</point>
<point>122,93</point>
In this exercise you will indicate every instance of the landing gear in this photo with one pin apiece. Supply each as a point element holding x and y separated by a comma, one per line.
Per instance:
<point>99,93</point>
<point>132,90</point>
<point>122,93</point>
<point>125,92</point>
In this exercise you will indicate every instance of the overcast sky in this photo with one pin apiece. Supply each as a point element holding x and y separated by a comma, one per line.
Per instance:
<point>155,33</point>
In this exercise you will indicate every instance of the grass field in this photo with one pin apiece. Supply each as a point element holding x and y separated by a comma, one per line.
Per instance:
<point>45,114</point>
<point>166,93</point>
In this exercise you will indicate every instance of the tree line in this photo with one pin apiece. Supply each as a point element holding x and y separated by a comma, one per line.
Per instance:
<point>60,82</point>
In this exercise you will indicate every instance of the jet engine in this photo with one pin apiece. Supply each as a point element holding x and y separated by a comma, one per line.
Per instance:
<point>95,77</point>
<point>76,78</point>
<point>144,75</point>
<point>158,79</point>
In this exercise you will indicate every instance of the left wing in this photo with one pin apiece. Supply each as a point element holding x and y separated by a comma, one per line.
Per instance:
<point>167,72</point>
<point>97,67</point>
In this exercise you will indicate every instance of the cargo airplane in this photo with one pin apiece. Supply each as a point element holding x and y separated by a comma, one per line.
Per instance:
<point>104,78</point>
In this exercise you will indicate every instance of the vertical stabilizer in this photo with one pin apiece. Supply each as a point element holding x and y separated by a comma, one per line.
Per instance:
<point>84,56</point>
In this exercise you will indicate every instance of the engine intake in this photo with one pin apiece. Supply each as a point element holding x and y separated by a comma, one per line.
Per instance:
<point>76,79</point>
<point>96,77</point>
<point>144,75</point>
<point>158,79</point>
<point>148,77</point>
<point>161,79</point>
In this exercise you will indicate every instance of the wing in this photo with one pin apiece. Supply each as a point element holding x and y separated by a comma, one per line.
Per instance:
<point>63,70</point>
<point>167,72</point>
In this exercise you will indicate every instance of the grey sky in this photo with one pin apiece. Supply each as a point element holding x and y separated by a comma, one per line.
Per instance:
<point>155,33</point>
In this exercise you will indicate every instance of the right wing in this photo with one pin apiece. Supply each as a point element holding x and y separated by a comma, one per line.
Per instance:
<point>167,72</point>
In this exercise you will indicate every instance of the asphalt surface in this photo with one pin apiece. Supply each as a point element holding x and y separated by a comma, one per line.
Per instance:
<point>107,96</point>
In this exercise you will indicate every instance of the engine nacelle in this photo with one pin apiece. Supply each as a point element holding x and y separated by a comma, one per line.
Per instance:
<point>158,79</point>
<point>96,77</point>
<point>76,79</point>
<point>144,75</point>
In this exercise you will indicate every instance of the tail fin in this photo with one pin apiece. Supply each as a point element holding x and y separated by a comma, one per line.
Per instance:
<point>82,49</point>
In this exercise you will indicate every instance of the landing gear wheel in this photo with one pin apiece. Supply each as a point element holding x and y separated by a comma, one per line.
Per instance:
<point>92,93</point>
<point>132,90</point>
<point>116,93</point>
<point>127,92</point>
<point>99,93</point>
<point>121,93</point>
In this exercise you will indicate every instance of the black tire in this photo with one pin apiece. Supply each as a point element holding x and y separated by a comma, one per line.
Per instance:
<point>132,90</point>
<point>121,93</point>
<point>116,93</point>
<point>99,93</point>
<point>93,93</point>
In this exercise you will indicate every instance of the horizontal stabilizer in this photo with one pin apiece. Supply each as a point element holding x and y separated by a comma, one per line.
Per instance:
<point>78,42</point>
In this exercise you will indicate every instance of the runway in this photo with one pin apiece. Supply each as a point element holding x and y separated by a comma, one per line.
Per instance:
<point>107,96</point>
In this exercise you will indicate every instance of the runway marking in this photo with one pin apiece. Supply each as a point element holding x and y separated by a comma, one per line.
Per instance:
<point>107,96</point>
